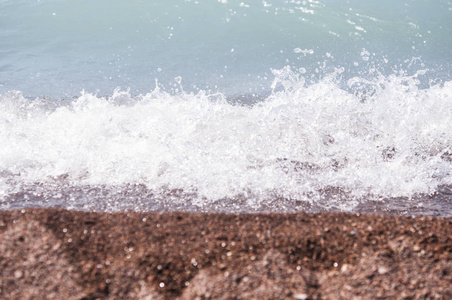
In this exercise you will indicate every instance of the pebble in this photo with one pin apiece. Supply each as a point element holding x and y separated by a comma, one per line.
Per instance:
<point>382,270</point>
<point>18,274</point>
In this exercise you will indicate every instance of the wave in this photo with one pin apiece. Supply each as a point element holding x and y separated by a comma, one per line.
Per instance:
<point>374,139</point>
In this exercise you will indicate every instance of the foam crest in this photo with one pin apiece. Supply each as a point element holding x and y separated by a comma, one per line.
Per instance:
<point>391,140</point>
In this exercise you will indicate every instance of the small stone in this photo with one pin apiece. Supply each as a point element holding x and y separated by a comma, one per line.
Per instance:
<point>300,296</point>
<point>18,274</point>
<point>56,246</point>
<point>382,270</point>
<point>345,268</point>
<point>393,245</point>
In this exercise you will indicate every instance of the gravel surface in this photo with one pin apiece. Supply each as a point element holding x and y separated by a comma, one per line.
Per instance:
<point>61,254</point>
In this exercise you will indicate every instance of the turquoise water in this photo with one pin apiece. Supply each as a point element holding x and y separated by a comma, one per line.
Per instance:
<point>58,48</point>
<point>231,106</point>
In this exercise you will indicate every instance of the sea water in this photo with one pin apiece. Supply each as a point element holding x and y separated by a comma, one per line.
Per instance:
<point>231,106</point>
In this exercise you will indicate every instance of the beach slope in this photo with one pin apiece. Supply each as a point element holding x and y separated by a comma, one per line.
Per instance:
<point>57,254</point>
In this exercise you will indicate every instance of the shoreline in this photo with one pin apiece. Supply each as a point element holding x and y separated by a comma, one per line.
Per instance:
<point>57,253</point>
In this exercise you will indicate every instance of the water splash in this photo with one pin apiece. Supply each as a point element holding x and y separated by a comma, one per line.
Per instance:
<point>313,143</point>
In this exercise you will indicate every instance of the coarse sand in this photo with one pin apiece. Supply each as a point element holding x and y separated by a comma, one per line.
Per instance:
<point>63,254</point>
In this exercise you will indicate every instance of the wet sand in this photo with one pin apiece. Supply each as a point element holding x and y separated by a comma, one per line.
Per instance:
<point>61,254</point>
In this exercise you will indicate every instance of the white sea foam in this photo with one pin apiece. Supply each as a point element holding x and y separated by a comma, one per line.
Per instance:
<point>383,138</point>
